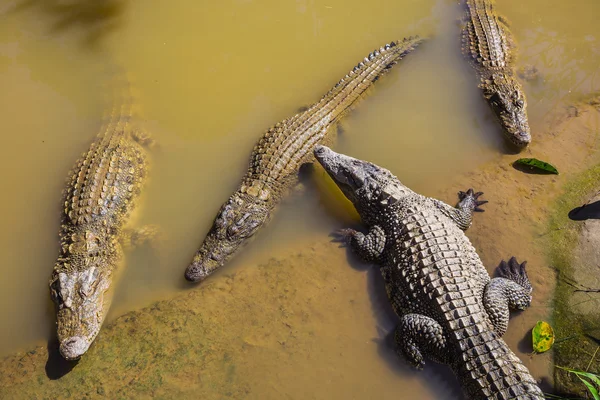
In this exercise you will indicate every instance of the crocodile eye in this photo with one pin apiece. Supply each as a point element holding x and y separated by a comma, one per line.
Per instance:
<point>222,220</point>
<point>55,292</point>
<point>245,226</point>
<point>520,103</point>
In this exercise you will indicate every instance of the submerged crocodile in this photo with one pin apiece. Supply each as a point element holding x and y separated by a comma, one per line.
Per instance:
<point>99,197</point>
<point>490,48</point>
<point>450,310</point>
<point>277,157</point>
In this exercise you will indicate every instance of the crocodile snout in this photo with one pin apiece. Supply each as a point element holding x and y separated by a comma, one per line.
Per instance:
<point>74,347</point>
<point>319,150</point>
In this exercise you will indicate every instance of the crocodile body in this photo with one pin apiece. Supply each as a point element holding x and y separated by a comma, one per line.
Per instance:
<point>99,197</point>
<point>450,310</point>
<point>490,48</point>
<point>277,157</point>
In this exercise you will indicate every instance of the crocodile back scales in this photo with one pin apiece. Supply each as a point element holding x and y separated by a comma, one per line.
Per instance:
<point>431,268</point>
<point>103,184</point>
<point>486,42</point>
<point>281,151</point>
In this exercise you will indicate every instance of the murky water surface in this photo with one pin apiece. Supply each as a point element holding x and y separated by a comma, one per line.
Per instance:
<point>211,77</point>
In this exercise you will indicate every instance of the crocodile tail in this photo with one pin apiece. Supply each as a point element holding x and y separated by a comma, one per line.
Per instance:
<point>120,101</point>
<point>488,369</point>
<point>351,87</point>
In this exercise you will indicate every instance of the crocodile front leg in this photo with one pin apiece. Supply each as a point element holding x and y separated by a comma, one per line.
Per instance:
<point>418,336</point>
<point>368,247</point>
<point>510,290</point>
<point>462,214</point>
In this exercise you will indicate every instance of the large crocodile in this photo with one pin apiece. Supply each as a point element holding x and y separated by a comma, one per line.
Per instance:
<point>450,310</point>
<point>490,48</point>
<point>277,157</point>
<point>99,197</point>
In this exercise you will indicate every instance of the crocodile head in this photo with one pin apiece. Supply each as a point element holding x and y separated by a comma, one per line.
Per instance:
<point>235,224</point>
<point>368,186</point>
<point>507,100</point>
<point>78,287</point>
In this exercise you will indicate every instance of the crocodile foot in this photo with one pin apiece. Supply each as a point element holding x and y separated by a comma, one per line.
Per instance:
<point>528,72</point>
<point>143,138</point>
<point>515,272</point>
<point>343,236</point>
<point>148,234</point>
<point>469,199</point>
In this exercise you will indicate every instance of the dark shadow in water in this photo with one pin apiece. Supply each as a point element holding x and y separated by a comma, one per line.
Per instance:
<point>57,366</point>
<point>525,344</point>
<point>94,18</point>
<point>509,148</point>
<point>586,211</point>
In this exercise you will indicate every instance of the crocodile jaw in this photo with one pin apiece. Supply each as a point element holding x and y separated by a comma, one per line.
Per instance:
<point>361,182</point>
<point>507,100</point>
<point>235,225</point>
<point>81,307</point>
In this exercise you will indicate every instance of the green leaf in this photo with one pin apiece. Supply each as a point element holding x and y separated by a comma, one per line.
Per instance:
<point>543,337</point>
<point>590,387</point>
<point>535,164</point>
<point>593,385</point>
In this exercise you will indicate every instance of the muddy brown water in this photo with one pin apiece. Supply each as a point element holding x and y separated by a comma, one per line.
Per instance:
<point>210,78</point>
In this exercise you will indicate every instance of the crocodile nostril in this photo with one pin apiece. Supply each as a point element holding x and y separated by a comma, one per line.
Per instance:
<point>319,150</point>
<point>74,347</point>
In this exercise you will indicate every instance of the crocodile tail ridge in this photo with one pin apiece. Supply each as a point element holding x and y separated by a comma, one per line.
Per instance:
<point>374,65</point>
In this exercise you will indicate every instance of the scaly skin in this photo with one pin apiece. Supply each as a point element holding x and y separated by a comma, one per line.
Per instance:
<point>489,46</point>
<point>277,157</point>
<point>98,199</point>
<point>450,310</point>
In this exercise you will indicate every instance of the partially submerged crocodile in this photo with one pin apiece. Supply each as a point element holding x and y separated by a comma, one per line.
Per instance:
<point>100,195</point>
<point>490,48</point>
<point>277,157</point>
<point>450,311</point>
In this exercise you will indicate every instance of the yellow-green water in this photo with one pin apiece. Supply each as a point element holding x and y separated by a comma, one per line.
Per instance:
<point>210,79</point>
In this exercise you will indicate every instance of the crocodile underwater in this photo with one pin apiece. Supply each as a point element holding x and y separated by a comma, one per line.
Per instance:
<point>491,50</point>
<point>278,156</point>
<point>450,310</point>
<point>98,199</point>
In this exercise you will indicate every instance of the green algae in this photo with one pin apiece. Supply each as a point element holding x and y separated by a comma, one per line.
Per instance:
<point>576,335</point>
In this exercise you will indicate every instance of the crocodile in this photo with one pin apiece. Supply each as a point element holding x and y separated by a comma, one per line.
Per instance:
<point>450,310</point>
<point>490,48</point>
<point>277,157</point>
<point>99,197</point>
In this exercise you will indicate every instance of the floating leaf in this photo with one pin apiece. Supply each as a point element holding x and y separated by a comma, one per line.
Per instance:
<point>543,337</point>
<point>535,164</point>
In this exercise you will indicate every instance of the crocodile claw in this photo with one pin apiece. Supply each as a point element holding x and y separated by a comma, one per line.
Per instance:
<point>473,197</point>
<point>514,271</point>
<point>343,235</point>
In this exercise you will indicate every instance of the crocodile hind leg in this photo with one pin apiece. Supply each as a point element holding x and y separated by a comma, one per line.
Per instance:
<point>510,290</point>
<point>147,234</point>
<point>368,247</point>
<point>142,137</point>
<point>418,336</point>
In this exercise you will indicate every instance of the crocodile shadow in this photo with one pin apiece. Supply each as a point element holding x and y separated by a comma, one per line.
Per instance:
<point>95,18</point>
<point>446,386</point>
<point>56,366</point>
<point>445,383</point>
